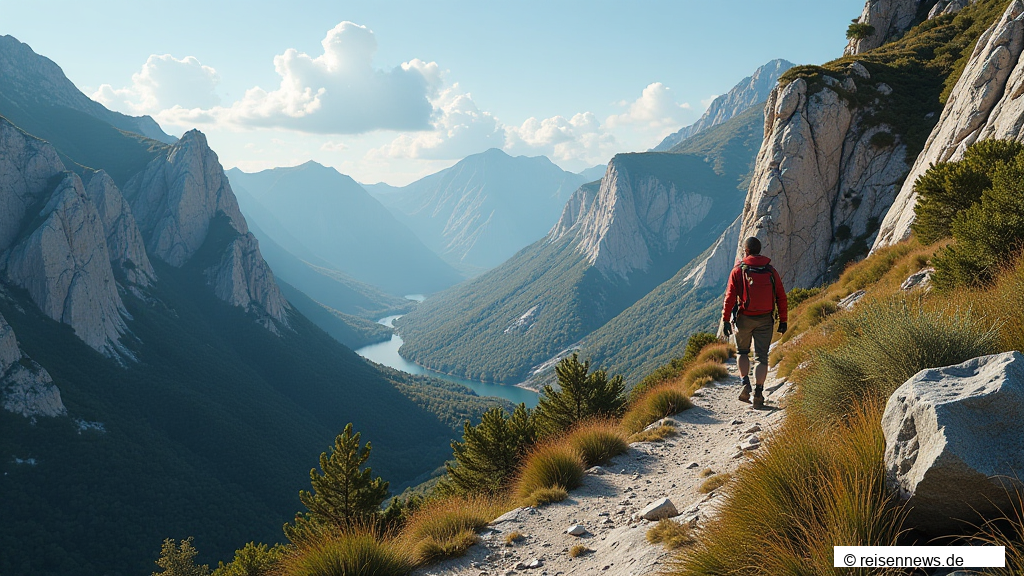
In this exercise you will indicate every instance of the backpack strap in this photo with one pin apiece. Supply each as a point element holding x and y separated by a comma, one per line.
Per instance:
<point>746,294</point>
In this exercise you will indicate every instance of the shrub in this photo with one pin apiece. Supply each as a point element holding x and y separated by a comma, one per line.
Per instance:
<point>581,395</point>
<point>716,352</point>
<point>881,139</point>
<point>1002,303</point>
<point>578,550</point>
<point>986,235</point>
<point>700,372</point>
<point>447,527</point>
<point>816,485</point>
<point>514,537</point>
<point>179,559</point>
<point>867,272</point>
<point>818,311</point>
<point>1006,531</point>
<point>797,296</point>
<point>491,451</point>
<point>859,31</point>
<point>555,463</point>
<point>697,343</point>
<point>253,560</point>
<point>949,188</point>
<point>665,400</point>
<point>707,472</point>
<point>598,441</point>
<point>350,552</point>
<point>885,343</point>
<point>654,434</point>
<point>714,483</point>
<point>670,533</point>
<point>542,496</point>
<point>676,366</point>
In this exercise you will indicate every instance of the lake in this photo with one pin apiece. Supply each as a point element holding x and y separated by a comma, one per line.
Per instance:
<point>386,353</point>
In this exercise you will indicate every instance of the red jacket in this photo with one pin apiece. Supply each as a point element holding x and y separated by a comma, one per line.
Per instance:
<point>734,291</point>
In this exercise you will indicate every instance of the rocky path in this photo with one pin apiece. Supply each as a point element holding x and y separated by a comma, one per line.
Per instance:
<point>608,502</point>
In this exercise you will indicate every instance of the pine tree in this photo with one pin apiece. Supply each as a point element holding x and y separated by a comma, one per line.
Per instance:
<point>343,492</point>
<point>179,560</point>
<point>491,451</point>
<point>581,396</point>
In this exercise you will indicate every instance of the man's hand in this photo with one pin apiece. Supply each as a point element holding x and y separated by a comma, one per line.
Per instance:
<point>727,329</point>
<point>783,327</point>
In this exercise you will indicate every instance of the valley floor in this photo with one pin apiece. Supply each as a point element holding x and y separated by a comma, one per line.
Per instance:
<point>611,496</point>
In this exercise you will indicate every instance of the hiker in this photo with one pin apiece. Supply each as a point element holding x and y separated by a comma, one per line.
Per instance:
<point>755,288</point>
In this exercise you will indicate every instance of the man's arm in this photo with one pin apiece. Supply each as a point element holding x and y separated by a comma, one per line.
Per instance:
<point>731,292</point>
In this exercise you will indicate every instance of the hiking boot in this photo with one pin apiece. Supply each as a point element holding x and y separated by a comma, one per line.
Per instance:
<point>745,394</point>
<point>758,396</point>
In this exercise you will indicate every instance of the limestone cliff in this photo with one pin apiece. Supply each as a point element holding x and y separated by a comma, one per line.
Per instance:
<point>176,200</point>
<point>25,387</point>
<point>747,93</point>
<point>985,103</point>
<point>713,270</point>
<point>887,18</point>
<point>124,241</point>
<point>824,176</point>
<point>62,261</point>
<point>634,217</point>
<point>26,166</point>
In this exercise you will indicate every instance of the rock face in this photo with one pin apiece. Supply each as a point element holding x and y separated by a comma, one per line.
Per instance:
<point>124,241</point>
<point>944,7</point>
<point>64,265</point>
<point>26,79</point>
<point>984,104</point>
<point>715,268</point>
<point>26,166</point>
<point>25,387</point>
<point>953,440</point>
<point>749,92</point>
<point>176,201</point>
<point>820,184</point>
<point>630,219</point>
<point>889,18</point>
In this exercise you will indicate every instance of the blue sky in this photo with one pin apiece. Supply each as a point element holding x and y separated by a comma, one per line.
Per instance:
<point>406,88</point>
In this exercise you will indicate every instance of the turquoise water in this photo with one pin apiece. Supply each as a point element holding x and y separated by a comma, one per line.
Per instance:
<point>386,353</point>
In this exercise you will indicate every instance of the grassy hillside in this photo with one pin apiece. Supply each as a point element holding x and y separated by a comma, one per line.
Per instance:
<point>466,330</point>
<point>210,433</point>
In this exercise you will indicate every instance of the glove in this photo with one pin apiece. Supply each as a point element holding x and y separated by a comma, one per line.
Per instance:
<point>727,329</point>
<point>783,327</point>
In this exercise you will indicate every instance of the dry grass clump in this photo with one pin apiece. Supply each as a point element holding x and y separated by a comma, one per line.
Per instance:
<point>542,496</point>
<point>356,551</point>
<point>598,441</point>
<point>714,482</point>
<point>654,434</point>
<point>700,371</point>
<point>1006,531</point>
<point>670,533</point>
<point>716,352</point>
<point>816,485</point>
<point>514,537</point>
<point>447,527</point>
<point>552,464</point>
<point>707,472</point>
<point>578,550</point>
<point>1001,304</point>
<point>657,403</point>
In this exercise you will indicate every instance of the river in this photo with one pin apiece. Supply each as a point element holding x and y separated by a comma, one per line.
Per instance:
<point>386,353</point>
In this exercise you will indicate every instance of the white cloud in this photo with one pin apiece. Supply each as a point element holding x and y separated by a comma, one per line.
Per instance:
<point>654,109</point>
<point>164,82</point>
<point>580,138</point>
<point>332,146</point>
<point>336,92</point>
<point>460,128</point>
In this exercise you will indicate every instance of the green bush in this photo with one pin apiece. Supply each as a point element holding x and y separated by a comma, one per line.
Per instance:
<point>491,451</point>
<point>949,188</point>
<point>882,139</point>
<point>581,395</point>
<point>988,234</point>
<point>797,296</point>
<point>885,344</point>
<point>858,31</point>
<point>676,366</point>
<point>550,465</point>
<point>253,560</point>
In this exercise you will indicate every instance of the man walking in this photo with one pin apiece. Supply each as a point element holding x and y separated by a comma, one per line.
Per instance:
<point>755,291</point>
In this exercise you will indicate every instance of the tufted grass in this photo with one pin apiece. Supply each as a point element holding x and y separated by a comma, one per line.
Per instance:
<point>353,552</point>
<point>598,441</point>
<point>553,464</point>
<point>657,403</point>
<point>446,527</point>
<point>672,534</point>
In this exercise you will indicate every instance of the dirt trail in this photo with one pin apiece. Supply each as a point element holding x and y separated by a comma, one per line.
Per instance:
<point>609,499</point>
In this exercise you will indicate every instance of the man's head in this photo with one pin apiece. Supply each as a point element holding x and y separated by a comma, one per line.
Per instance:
<point>752,246</point>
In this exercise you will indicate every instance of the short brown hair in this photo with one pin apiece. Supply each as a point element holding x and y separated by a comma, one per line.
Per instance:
<point>752,245</point>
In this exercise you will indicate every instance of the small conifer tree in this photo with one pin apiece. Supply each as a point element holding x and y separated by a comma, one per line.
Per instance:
<point>491,451</point>
<point>343,491</point>
<point>179,560</point>
<point>582,395</point>
<point>252,560</point>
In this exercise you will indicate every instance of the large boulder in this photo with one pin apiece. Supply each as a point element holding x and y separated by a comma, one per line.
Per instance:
<point>954,444</point>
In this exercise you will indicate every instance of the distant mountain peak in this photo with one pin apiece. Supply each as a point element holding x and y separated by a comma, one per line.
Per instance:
<point>751,91</point>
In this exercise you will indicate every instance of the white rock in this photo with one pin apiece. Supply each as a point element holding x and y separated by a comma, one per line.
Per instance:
<point>124,241</point>
<point>888,17</point>
<point>985,104</point>
<point>883,88</point>
<point>576,530</point>
<point>663,508</point>
<point>851,300</point>
<point>858,69</point>
<point>918,280</point>
<point>953,442</point>
<point>25,387</point>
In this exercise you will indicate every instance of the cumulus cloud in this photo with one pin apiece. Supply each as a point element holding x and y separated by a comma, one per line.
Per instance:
<point>655,108</point>
<point>164,82</point>
<point>581,138</point>
<point>460,128</point>
<point>336,92</point>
